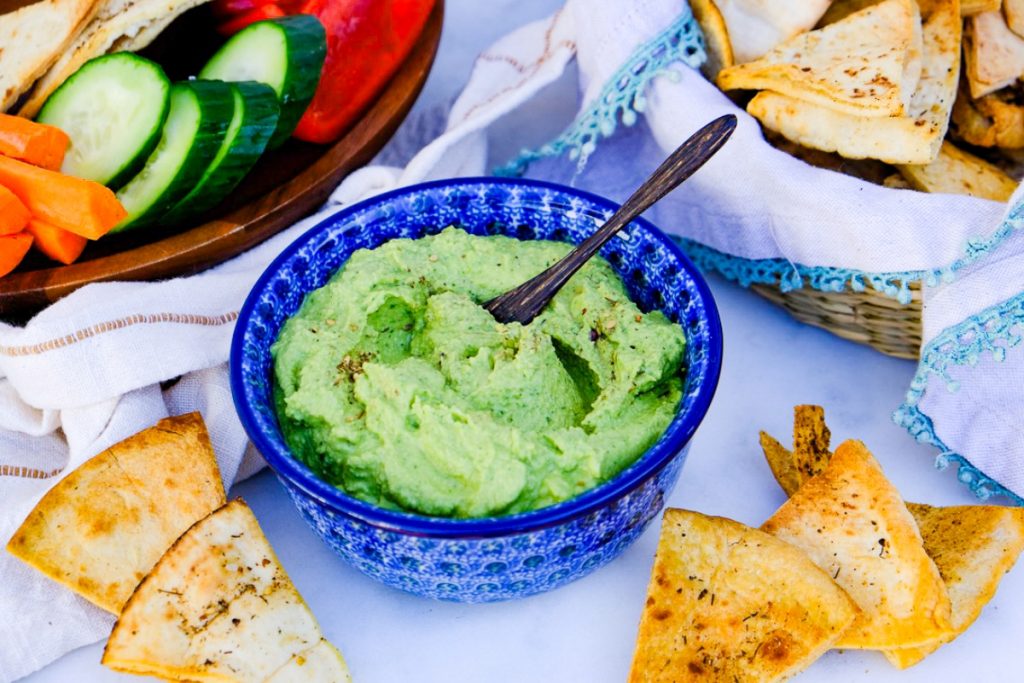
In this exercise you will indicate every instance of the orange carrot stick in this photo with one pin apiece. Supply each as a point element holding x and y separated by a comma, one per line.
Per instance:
<point>13,214</point>
<point>12,249</point>
<point>56,243</point>
<point>31,142</point>
<point>79,206</point>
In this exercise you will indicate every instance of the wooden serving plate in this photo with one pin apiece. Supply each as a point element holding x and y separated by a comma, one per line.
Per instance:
<point>286,185</point>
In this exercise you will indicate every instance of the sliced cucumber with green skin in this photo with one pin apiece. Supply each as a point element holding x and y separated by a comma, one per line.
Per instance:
<point>192,135</point>
<point>255,118</point>
<point>113,109</point>
<point>287,54</point>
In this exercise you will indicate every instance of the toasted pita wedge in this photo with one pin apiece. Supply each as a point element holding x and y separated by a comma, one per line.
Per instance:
<point>995,120</point>
<point>811,438</point>
<point>716,37</point>
<point>840,9</point>
<point>124,20</point>
<point>730,603</point>
<point>871,170</point>
<point>101,528</point>
<point>218,606</point>
<point>973,546</point>
<point>958,172</point>
<point>759,25</point>
<point>897,182</point>
<point>1013,10</point>
<point>852,522</point>
<point>972,7</point>
<point>855,66</point>
<point>33,37</point>
<point>993,54</point>
<point>780,460</point>
<point>913,139</point>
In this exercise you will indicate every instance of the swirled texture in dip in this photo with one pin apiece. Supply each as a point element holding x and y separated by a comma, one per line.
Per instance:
<point>395,384</point>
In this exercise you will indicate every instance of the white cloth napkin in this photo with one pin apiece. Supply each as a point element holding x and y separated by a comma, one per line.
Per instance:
<point>87,371</point>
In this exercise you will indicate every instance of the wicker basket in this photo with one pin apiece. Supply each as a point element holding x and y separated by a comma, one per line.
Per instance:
<point>868,317</point>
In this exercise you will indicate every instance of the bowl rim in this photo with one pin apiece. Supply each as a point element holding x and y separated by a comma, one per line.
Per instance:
<point>288,467</point>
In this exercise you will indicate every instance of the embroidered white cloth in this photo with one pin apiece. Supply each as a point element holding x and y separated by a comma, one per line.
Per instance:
<point>103,363</point>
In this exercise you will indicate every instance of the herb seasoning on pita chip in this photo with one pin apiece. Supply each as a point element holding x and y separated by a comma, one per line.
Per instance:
<point>218,606</point>
<point>853,523</point>
<point>733,604</point>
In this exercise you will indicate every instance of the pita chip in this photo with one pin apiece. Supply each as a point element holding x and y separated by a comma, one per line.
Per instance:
<point>716,37</point>
<point>780,460</point>
<point>973,546</point>
<point>127,21</point>
<point>972,7</point>
<point>995,120</point>
<point>733,604</point>
<point>759,25</point>
<point>102,527</point>
<point>855,66</point>
<point>958,172</point>
<point>913,139</point>
<point>1013,10</point>
<point>32,38</point>
<point>218,606</point>
<point>993,54</point>
<point>853,524</point>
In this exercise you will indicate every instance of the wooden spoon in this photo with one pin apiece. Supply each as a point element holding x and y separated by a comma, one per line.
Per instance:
<point>526,301</point>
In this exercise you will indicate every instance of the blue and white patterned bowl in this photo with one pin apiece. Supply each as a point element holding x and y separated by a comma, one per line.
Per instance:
<point>494,558</point>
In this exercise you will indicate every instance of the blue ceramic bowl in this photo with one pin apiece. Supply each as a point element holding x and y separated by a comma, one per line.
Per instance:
<point>495,558</point>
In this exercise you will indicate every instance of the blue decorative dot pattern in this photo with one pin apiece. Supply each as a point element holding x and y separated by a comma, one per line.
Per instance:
<point>495,558</point>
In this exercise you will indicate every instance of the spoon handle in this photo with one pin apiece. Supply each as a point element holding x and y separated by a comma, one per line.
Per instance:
<point>527,300</point>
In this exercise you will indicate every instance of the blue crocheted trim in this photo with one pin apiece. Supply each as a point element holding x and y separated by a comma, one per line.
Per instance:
<point>991,333</point>
<point>896,284</point>
<point>789,276</point>
<point>622,97</point>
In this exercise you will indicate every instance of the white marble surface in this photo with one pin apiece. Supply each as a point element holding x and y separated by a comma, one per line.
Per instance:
<point>585,631</point>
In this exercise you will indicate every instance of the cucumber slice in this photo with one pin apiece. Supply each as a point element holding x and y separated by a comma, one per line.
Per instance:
<point>287,54</point>
<point>113,109</point>
<point>195,128</point>
<point>254,121</point>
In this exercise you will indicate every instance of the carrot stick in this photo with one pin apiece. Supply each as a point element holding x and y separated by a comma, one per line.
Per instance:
<point>56,243</point>
<point>13,214</point>
<point>12,249</point>
<point>79,206</point>
<point>31,142</point>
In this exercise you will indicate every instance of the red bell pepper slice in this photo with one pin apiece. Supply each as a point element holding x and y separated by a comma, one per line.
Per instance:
<point>268,10</point>
<point>367,40</point>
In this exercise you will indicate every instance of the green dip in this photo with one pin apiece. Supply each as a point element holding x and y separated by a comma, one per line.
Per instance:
<point>393,383</point>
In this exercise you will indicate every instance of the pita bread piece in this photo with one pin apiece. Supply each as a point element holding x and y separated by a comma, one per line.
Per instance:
<point>995,120</point>
<point>716,37</point>
<point>870,170</point>
<point>31,40</point>
<point>958,172</point>
<point>218,606</point>
<point>811,439</point>
<point>973,546</point>
<point>116,20</point>
<point>852,522</point>
<point>1013,10</point>
<point>730,603</point>
<point>756,26</point>
<point>913,139</point>
<point>971,7</point>
<point>102,527</point>
<point>855,66</point>
<point>993,54</point>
